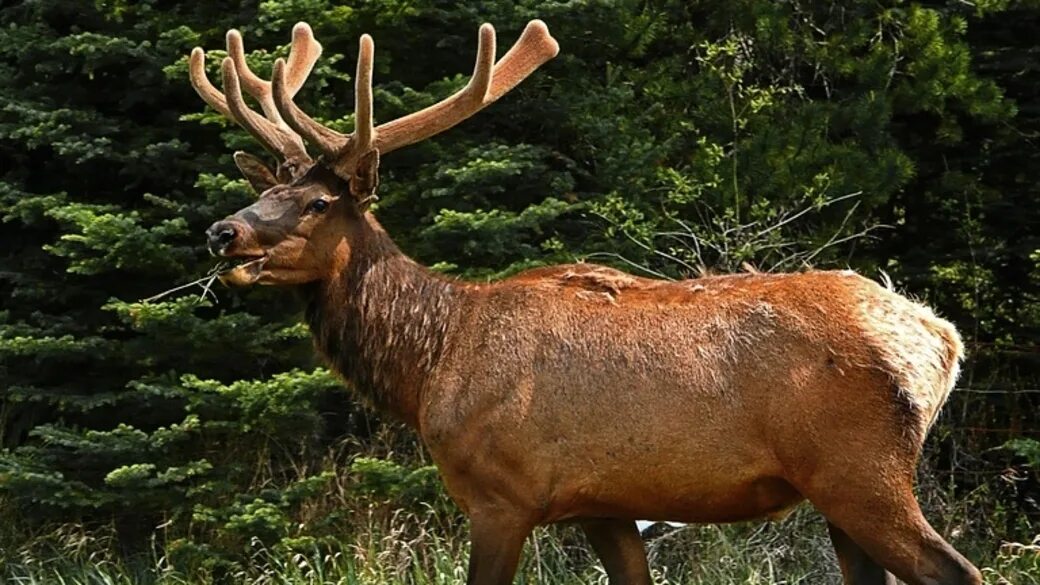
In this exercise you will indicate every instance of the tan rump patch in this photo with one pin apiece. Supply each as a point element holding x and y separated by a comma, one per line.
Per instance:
<point>920,351</point>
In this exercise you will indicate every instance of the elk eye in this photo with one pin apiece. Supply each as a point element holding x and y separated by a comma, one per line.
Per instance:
<point>319,205</point>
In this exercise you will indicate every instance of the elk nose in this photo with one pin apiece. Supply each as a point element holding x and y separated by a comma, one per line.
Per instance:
<point>220,235</point>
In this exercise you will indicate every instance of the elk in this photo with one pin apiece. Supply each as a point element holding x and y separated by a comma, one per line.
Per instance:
<point>766,389</point>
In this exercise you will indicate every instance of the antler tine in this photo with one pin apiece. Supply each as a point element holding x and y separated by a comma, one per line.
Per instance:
<point>206,90</point>
<point>303,55</point>
<point>261,129</point>
<point>534,47</point>
<point>328,141</point>
<point>482,70</point>
<point>256,87</point>
<point>362,137</point>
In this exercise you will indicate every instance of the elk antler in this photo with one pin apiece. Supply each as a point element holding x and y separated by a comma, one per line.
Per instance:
<point>270,129</point>
<point>490,81</point>
<point>283,126</point>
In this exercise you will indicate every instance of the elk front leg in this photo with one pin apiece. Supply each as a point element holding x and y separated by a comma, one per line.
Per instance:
<point>496,540</point>
<point>620,548</point>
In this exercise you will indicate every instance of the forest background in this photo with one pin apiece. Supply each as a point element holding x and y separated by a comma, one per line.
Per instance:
<point>197,439</point>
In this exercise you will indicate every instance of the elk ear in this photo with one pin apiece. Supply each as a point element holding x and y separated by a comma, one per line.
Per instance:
<point>259,175</point>
<point>365,180</point>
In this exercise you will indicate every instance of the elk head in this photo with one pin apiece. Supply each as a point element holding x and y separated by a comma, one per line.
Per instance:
<point>310,207</point>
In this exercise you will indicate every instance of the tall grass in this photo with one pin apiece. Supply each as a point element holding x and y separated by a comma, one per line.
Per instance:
<point>413,549</point>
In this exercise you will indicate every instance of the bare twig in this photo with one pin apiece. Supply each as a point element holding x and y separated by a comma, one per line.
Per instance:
<point>209,279</point>
<point>777,243</point>
<point>630,263</point>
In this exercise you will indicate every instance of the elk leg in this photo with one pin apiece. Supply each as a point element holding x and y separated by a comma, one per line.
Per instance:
<point>915,553</point>
<point>887,524</point>
<point>495,545</point>
<point>856,567</point>
<point>620,548</point>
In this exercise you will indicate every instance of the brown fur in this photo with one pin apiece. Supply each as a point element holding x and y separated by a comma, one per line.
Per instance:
<point>382,324</point>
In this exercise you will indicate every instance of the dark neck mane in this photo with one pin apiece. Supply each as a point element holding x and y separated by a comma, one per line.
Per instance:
<point>382,323</point>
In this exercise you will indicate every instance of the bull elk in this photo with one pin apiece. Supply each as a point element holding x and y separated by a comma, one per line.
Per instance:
<point>765,389</point>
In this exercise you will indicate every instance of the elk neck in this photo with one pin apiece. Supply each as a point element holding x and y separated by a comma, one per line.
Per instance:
<point>382,321</point>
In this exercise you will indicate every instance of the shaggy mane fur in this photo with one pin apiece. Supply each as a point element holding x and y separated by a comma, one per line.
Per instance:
<point>382,324</point>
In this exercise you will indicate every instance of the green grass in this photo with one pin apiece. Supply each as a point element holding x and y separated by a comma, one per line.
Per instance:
<point>378,541</point>
<point>412,549</point>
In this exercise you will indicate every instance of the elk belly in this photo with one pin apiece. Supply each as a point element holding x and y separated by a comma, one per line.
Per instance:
<point>660,496</point>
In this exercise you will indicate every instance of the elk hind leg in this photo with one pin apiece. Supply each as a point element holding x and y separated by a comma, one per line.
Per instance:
<point>618,545</point>
<point>856,567</point>
<point>886,523</point>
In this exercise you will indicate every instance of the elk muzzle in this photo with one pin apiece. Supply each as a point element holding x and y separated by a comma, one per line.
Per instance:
<point>220,236</point>
<point>236,241</point>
